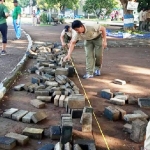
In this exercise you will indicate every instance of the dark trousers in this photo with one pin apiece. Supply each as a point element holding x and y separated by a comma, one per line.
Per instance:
<point>3,30</point>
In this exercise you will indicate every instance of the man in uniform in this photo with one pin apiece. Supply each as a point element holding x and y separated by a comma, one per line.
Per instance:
<point>4,13</point>
<point>95,41</point>
<point>16,15</point>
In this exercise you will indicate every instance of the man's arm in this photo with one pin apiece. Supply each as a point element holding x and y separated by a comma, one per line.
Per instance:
<point>103,30</point>
<point>71,48</point>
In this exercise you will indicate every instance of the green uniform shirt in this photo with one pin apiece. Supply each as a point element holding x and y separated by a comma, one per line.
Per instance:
<point>16,12</point>
<point>3,10</point>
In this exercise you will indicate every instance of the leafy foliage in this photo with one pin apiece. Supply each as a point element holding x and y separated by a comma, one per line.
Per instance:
<point>143,4</point>
<point>97,6</point>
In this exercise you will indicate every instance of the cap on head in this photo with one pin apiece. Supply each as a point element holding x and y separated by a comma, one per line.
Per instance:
<point>66,28</point>
<point>15,1</point>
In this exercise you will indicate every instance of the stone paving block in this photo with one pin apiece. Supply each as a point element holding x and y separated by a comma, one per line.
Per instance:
<point>21,139</point>
<point>62,87</point>
<point>7,143</point>
<point>38,116</point>
<point>138,130</point>
<point>37,103</point>
<point>61,100</point>
<point>56,93</point>
<point>142,113</point>
<point>111,113</point>
<point>56,100</point>
<point>27,85</point>
<point>35,80</point>
<point>19,114</point>
<point>144,102</point>
<point>33,133</point>
<point>32,88</point>
<point>87,122</point>
<point>58,146</point>
<point>132,117</point>
<point>55,132</point>
<point>66,134</point>
<point>76,101</point>
<point>67,85</point>
<point>118,81</point>
<point>76,113</point>
<point>65,120</point>
<point>132,100</point>
<point>41,93</point>
<point>118,93</point>
<point>117,101</point>
<point>58,80</point>
<point>122,112</point>
<point>19,87</point>
<point>61,71</point>
<point>123,97</point>
<point>8,113</point>
<point>51,83</point>
<point>68,146</point>
<point>91,146</point>
<point>27,117</point>
<point>77,147</point>
<point>47,147</point>
<point>65,102</point>
<point>44,98</point>
<point>62,78</point>
<point>127,128</point>
<point>105,93</point>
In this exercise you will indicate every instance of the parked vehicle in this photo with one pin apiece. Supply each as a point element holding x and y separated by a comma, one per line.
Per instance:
<point>78,16</point>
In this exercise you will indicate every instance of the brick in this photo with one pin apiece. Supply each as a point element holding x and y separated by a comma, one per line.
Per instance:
<point>87,122</point>
<point>42,93</point>
<point>61,71</point>
<point>123,97</point>
<point>32,88</point>
<point>27,85</point>
<point>58,146</point>
<point>55,132</point>
<point>119,93</point>
<point>19,114</point>
<point>67,85</point>
<point>21,139</point>
<point>67,146</point>
<point>66,120</point>
<point>35,80</point>
<point>56,100</point>
<point>132,117</point>
<point>62,87</point>
<point>65,102</point>
<point>27,117</point>
<point>66,134</point>
<point>37,103</point>
<point>33,133</point>
<point>144,102</point>
<point>138,130</point>
<point>19,87</point>
<point>62,78</point>
<point>61,100</point>
<point>38,116</point>
<point>132,100</point>
<point>76,101</point>
<point>117,101</point>
<point>8,113</point>
<point>51,83</point>
<point>111,113</point>
<point>32,70</point>
<point>48,77</point>
<point>47,147</point>
<point>127,128</point>
<point>65,115</point>
<point>39,87</point>
<point>141,112</point>
<point>44,98</point>
<point>57,93</point>
<point>118,81</point>
<point>76,113</point>
<point>7,143</point>
<point>105,93</point>
<point>122,112</point>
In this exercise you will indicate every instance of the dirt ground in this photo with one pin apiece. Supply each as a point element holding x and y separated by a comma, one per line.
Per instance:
<point>127,63</point>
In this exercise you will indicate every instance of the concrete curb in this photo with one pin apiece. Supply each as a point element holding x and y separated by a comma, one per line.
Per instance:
<point>8,81</point>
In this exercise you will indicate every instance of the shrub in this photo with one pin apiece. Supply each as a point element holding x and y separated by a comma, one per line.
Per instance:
<point>43,18</point>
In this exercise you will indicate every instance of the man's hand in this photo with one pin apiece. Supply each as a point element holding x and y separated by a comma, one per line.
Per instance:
<point>104,44</point>
<point>67,58</point>
<point>63,44</point>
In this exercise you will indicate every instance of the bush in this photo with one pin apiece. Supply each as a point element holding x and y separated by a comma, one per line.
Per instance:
<point>43,18</point>
<point>62,20</point>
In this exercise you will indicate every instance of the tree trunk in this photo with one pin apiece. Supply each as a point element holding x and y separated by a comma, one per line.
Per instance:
<point>128,16</point>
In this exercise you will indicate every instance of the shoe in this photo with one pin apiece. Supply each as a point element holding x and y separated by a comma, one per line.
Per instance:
<point>86,76</point>
<point>97,72</point>
<point>3,52</point>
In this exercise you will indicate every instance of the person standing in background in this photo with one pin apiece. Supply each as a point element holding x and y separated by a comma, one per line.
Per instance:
<point>38,15</point>
<point>4,13</point>
<point>141,19</point>
<point>34,21</point>
<point>16,15</point>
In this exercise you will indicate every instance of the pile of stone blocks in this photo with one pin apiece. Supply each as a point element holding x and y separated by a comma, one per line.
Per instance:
<point>117,98</point>
<point>24,115</point>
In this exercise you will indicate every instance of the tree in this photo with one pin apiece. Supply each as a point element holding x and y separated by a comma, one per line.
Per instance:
<point>98,6</point>
<point>24,3</point>
<point>143,4</point>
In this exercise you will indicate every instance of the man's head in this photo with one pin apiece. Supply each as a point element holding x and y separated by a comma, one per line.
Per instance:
<point>67,28</point>
<point>78,26</point>
<point>15,2</point>
<point>2,1</point>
